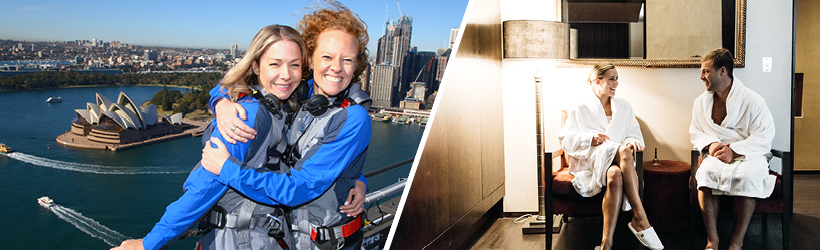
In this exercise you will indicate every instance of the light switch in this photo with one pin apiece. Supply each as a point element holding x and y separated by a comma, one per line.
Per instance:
<point>767,64</point>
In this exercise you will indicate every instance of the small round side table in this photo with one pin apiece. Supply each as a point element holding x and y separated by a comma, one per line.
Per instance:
<point>666,195</point>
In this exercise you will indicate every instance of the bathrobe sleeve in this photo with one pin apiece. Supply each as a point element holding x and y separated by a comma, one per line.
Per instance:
<point>697,129</point>
<point>574,142</point>
<point>761,128</point>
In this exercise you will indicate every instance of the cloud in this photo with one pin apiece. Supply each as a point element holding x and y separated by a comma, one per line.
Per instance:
<point>31,8</point>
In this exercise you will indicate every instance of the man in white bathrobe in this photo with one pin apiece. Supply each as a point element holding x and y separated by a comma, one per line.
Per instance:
<point>733,129</point>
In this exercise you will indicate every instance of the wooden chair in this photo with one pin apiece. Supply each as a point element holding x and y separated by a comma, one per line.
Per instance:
<point>778,203</point>
<point>560,196</point>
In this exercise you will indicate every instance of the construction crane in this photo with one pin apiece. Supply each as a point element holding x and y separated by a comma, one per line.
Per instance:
<point>386,15</point>
<point>429,67</point>
<point>400,12</point>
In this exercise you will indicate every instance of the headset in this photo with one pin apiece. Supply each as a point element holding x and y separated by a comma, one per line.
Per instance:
<point>318,104</point>
<point>270,101</point>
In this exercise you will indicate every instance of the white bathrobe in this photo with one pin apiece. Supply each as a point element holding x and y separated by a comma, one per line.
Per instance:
<point>589,163</point>
<point>749,129</point>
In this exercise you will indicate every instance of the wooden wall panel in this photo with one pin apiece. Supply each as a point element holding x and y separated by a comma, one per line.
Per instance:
<point>460,174</point>
<point>419,225</point>
<point>462,122</point>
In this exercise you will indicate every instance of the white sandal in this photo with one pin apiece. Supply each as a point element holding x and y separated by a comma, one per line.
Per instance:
<point>648,237</point>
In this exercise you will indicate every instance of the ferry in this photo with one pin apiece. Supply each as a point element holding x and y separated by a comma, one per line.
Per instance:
<point>45,202</point>
<point>54,99</point>
<point>4,148</point>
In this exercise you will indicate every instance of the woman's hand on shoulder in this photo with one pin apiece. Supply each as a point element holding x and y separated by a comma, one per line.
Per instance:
<point>229,119</point>
<point>214,157</point>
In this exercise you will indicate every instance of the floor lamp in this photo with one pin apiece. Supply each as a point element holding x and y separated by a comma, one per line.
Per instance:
<point>537,39</point>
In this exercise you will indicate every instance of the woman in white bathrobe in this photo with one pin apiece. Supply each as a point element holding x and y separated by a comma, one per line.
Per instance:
<point>600,135</point>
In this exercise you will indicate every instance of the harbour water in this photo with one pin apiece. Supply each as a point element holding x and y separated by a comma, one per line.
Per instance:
<point>105,197</point>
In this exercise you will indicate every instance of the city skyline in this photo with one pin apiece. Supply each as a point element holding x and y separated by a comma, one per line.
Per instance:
<point>209,24</point>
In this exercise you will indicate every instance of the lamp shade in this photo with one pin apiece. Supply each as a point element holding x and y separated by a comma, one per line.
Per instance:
<point>538,39</point>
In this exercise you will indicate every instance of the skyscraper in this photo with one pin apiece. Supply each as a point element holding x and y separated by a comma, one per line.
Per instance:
<point>364,79</point>
<point>395,43</point>
<point>453,36</point>
<point>393,48</point>
<point>419,66</point>
<point>443,57</point>
<point>233,51</point>
<point>384,83</point>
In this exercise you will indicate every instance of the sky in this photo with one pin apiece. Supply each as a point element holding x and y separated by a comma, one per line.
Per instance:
<point>209,23</point>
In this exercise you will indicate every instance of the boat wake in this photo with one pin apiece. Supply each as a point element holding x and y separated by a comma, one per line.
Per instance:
<point>93,168</point>
<point>88,225</point>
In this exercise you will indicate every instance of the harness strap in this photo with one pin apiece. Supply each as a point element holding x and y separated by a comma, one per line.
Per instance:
<point>274,223</point>
<point>282,244</point>
<point>243,225</point>
<point>304,238</point>
<point>222,220</point>
<point>342,231</point>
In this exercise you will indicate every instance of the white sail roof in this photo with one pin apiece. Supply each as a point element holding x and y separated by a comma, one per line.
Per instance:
<point>84,113</point>
<point>124,112</point>
<point>103,102</point>
<point>150,115</point>
<point>176,119</point>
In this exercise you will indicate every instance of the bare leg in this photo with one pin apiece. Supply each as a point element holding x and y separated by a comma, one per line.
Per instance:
<point>710,206</point>
<point>611,204</point>
<point>744,208</point>
<point>626,163</point>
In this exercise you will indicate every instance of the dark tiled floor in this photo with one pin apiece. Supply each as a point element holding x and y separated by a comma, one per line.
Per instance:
<point>585,233</point>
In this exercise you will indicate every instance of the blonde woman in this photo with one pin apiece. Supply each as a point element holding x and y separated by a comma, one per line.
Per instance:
<point>600,135</point>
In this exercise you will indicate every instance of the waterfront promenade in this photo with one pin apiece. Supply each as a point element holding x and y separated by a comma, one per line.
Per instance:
<point>195,128</point>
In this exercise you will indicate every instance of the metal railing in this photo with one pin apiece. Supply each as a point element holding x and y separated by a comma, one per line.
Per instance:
<point>390,190</point>
<point>378,195</point>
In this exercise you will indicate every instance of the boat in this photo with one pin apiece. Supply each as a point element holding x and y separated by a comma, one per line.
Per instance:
<point>5,149</point>
<point>54,99</point>
<point>45,202</point>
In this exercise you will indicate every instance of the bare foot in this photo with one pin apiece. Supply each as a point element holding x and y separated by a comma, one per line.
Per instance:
<point>639,224</point>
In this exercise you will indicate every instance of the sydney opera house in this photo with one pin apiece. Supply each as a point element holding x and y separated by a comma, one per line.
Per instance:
<point>123,121</point>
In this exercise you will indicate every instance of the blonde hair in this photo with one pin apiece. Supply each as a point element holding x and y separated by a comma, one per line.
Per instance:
<point>598,72</point>
<point>720,57</point>
<point>241,76</point>
<point>336,17</point>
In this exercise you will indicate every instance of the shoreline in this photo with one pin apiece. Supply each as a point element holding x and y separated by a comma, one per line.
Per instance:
<point>91,86</point>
